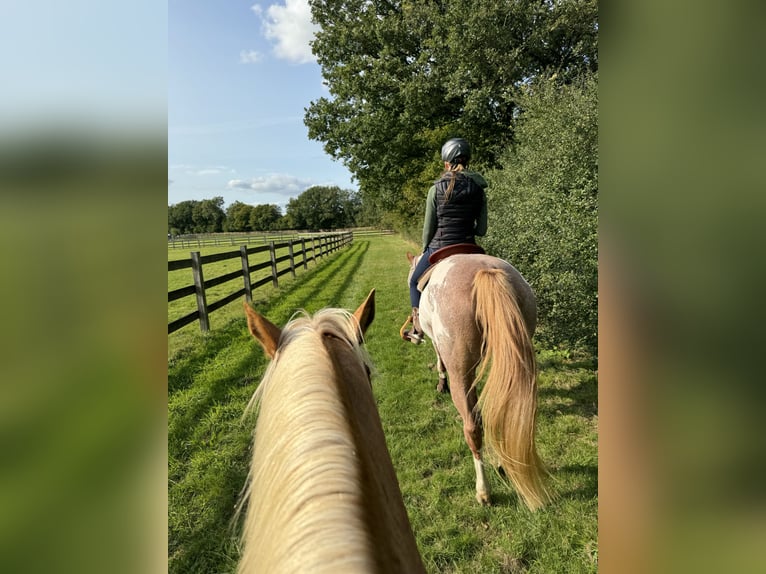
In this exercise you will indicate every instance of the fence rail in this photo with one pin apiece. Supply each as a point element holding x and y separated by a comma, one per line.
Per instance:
<point>200,240</point>
<point>311,249</point>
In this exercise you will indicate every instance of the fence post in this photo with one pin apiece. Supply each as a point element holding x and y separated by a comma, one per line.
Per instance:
<point>199,289</point>
<point>314,249</point>
<point>292,259</point>
<point>246,273</point>
<point>273,254</point>
<point>303,249</point>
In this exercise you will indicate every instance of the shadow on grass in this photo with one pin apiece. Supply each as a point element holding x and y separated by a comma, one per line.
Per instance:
<point>580,399</point>
<point>187,367</point>
<point>210,448</point>
<point>317,289</point>
<point>586,476</point>
<point>187,363</point>
<point>183,367</point>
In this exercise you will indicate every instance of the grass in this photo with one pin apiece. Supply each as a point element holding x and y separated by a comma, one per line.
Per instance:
<point>211,378</point>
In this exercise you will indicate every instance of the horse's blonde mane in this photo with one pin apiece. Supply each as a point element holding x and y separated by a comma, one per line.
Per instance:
<point>303,432</point>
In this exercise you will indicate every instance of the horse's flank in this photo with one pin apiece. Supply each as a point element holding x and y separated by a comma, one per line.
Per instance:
<point>323,495</point>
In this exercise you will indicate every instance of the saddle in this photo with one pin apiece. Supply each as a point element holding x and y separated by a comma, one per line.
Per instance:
<point>443,253</point>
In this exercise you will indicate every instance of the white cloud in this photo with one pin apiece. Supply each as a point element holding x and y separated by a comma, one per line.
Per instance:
<point>277,183</point>
<point>189,169</point>
<point>211,171</point>
<point>289,26</point>
<point>250,57</point>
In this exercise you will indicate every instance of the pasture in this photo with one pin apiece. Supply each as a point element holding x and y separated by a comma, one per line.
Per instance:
<point>211,377</point>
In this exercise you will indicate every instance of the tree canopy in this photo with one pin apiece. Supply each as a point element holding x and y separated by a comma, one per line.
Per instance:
<point>318,207</point>
<point>323,207</point>
<point>404,76</point>
<point>192,216</point>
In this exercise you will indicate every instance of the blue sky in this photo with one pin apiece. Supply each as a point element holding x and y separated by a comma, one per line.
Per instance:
<point>90,64</point>
<point>240,74</point>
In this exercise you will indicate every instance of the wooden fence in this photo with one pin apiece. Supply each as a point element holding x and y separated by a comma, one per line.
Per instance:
<point>311,248</point>
<point>258,237</point>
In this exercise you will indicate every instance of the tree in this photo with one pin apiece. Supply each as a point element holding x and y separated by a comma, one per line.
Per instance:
<point>208,215</point>
<point>265,217</point>
<point>238,216</point>
<point>404,76</point>
<point>322,207</point>
<point>180,216</point>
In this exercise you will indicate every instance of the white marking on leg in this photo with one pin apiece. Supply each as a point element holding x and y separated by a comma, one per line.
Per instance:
<point>482,487</point>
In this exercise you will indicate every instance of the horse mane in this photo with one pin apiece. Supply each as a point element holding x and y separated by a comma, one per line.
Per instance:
<point>303,444</point>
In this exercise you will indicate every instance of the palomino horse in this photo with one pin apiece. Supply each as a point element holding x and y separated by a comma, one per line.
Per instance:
<point>480,312</point>
<point>322,492</point>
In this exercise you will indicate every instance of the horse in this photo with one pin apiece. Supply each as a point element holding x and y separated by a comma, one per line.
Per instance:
<point>322,494</point>
<point>479,312</point>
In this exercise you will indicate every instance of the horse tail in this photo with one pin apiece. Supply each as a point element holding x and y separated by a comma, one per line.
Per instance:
<point>508,401</point>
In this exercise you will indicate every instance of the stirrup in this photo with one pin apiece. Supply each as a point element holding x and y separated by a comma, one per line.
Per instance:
<point>413,337</point>
<point>410,335</point>
<point>402,332</point>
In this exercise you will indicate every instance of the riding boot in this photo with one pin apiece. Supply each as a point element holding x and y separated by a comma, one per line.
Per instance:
<point>414,335</point>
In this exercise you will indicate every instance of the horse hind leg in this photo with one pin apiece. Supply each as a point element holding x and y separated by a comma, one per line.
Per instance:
<point>443,386</point>
<point>482,486</point>
<point>465,402</point>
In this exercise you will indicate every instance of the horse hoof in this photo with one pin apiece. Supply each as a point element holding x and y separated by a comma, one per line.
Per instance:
<point>483,499</point>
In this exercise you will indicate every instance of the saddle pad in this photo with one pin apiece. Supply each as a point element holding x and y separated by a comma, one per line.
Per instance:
<point>423,281</point>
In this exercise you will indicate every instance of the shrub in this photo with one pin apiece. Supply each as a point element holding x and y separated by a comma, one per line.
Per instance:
<point>543,205</point>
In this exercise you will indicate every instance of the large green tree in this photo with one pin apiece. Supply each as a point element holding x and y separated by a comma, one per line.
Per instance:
<point>208,215</point>
<point>405,75</point>
<point>180,220</point>
<point>192,216</point>
<point>322,207</point>
<point>238,217</point>
<point>265,217</point>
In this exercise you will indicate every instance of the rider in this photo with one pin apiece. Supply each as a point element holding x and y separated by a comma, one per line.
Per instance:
<point>456,212</point>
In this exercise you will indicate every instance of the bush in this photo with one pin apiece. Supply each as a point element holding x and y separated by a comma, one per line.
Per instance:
<point>543,206</point>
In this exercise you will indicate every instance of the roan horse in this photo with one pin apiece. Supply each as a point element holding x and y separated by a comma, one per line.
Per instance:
<point>479,312</point>
<point>322,494</point>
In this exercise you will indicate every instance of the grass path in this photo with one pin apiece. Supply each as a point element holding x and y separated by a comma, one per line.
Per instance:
<point>212,377</point>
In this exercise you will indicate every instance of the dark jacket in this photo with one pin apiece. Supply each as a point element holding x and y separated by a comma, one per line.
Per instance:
<point>461,218</point>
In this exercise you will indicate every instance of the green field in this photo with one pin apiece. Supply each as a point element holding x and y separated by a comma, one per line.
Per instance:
<point>211,377</point>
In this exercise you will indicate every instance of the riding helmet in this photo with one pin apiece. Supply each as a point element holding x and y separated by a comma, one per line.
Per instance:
<point>456,148</point>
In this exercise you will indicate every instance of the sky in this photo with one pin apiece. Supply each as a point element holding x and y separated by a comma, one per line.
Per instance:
<point>90,64</point>
<point>240,75</point>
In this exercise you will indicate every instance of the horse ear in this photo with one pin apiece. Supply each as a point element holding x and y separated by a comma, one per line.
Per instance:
<point>410,257</point>
<point>366,312</point>
<point>266,333</point>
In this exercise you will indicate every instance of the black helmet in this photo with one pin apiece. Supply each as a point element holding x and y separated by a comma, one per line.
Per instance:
<point>456,148</point>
